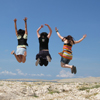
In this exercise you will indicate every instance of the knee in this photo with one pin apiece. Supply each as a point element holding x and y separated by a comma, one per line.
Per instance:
<point>41,64</point>
<point>19,61</point>
<point>62,64</point>
<point>23,61</point>
<point>46,64</point>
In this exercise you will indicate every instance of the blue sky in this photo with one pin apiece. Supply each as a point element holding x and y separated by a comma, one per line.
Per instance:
<point>71,17</point>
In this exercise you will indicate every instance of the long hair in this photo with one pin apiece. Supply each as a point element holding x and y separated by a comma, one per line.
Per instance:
<point>70,39</point>
<point>44,34</point>
<point>21,32</point>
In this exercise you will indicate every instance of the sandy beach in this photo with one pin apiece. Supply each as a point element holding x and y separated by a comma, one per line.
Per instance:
<point>64,89</point>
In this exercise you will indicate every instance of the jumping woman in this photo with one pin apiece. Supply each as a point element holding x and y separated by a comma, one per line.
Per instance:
<point>22,43</point>
<point>43,57</point>
<point>66,54</point>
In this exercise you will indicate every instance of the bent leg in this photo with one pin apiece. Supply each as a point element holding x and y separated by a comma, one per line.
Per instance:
<point>65,65</point>
<point>37,62</point>
<point>24,57</point>
<point>41,62</point>
<point>17,57</point>
<point>45,62</point>
<point>48,58</point>
<point>73,68</point>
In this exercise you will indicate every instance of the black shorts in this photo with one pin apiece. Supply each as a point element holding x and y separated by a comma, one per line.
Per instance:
<point>43,62</point>
<point>43,55</point>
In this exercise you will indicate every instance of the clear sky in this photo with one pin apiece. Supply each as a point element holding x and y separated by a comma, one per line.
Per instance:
<point>71,17</point>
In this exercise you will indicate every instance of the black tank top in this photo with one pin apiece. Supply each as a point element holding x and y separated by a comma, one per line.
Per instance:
<point>22,41</point>
<point>43,43</point>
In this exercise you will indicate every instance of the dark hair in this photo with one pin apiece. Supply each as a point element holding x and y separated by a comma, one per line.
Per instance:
<point>44,34</point>
<point>21,32</point>
<point>70,39</point>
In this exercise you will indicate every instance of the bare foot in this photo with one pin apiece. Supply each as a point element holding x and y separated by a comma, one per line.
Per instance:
<point>48,59</point>
<point>25,54</point>
<point>12,52</point>
<point>37,62</point>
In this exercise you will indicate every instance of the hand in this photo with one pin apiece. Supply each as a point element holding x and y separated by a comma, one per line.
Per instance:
<point>46,25</point>
<point>25,19</point>
<point>42,26</point>
<point>84,36</point>
<point>56,29</point>
<point>15,20</point>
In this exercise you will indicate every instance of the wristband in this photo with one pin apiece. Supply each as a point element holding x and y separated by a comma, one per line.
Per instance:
<point>57,31</point>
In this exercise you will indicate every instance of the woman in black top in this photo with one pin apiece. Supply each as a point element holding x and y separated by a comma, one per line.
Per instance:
<point>21,34</point>
<point>43,57</point>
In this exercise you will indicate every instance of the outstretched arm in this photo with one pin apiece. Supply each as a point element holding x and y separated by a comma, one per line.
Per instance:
<point>49,30</point>
<point>25,25</point>
<point>84,36</point>
<point>38,35</point>
<point>58,34</point>
<point>15,26</point>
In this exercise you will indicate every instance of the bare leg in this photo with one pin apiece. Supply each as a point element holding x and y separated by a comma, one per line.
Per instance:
<point>73,68</point>
<point>48,58</point>
<point>37,62</point>
<point>17,57</point>
<point>24,57</point>
<point>66,65</point>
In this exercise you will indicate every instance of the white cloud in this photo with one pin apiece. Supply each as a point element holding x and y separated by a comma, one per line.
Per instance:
<point>37,75</point>
<point>63,73</point>
<point>40,75</point>
<point>7,73</point>
<point>21,73</point>
<point>25,74</point>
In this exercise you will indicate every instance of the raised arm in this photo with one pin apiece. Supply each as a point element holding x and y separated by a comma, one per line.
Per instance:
<point>84,36</point>
<point>25,25</point>
<point>38,35</point>
<point>58,34</point>
<point>49,30</point>
<point>15,26</point>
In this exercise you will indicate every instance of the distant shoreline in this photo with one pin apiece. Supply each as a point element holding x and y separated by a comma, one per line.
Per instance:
<point>87,79</point>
